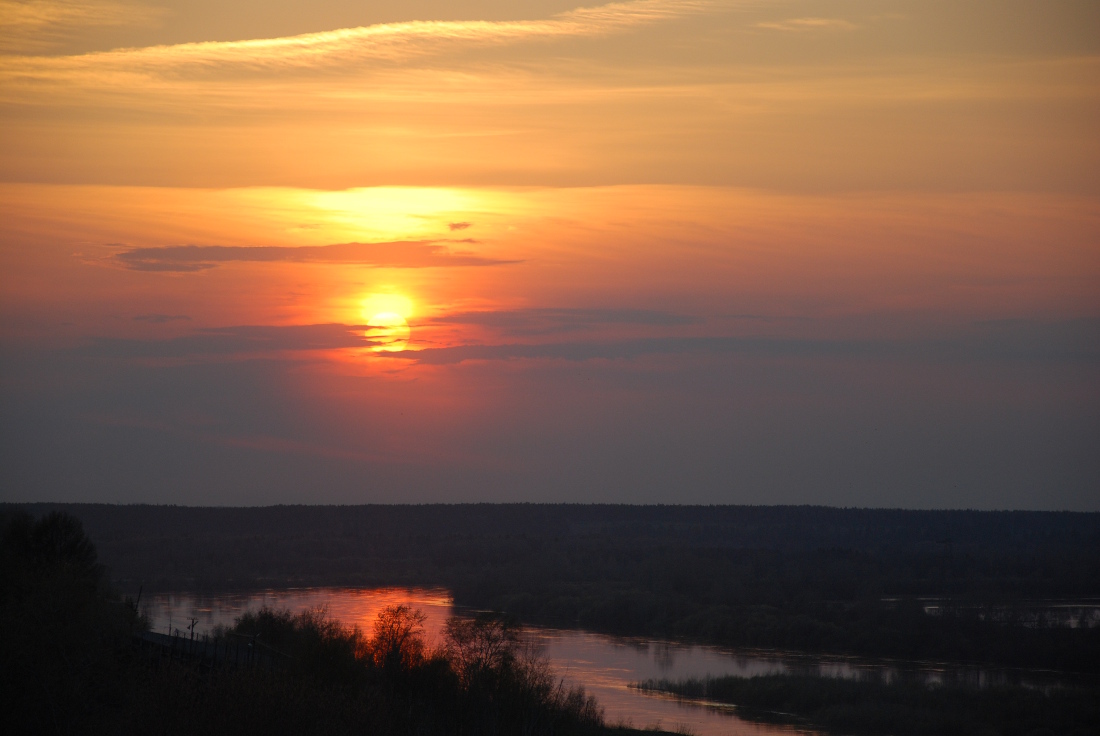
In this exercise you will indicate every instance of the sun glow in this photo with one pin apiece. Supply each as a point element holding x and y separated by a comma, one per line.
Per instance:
<point>385,213</point>
<point>377,304</point>
<point>387,323</point>
<point>388,331</point>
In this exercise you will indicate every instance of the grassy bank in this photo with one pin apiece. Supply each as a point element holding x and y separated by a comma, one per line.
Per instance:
<point>900,707</point>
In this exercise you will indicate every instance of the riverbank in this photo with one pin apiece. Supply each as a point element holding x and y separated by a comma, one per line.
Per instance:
<point>903,707</point>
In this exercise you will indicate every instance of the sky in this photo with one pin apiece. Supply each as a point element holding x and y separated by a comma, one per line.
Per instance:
<point>843,252</point>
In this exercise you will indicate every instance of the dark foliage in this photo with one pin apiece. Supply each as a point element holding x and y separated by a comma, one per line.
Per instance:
<point>61,626</point>
<point>69,664</point>
<point>903,707</point>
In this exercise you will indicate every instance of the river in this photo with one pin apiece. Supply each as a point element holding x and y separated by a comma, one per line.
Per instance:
<point>604,665</point>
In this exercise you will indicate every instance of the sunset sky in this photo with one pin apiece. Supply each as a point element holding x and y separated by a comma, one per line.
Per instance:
<point>841,252</point>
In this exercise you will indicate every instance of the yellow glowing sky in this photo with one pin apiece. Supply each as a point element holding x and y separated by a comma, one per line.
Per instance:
<point>792,95</point>
<point>435,218</point>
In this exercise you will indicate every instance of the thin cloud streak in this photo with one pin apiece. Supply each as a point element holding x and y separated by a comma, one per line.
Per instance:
<point>1070,341</point>
<point>631,349</point>
<point>809,24</point>
<point>388,41</point>
<point>159,319</point>
<point>395,254</point>
<point>38,25</point>
<point>238,340</point>
<point>546,320</point>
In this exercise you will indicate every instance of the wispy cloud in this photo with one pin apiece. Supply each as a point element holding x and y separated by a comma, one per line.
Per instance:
<point>397,254</point>
<point>238,340</point>
<point>1071,341</point>
<point>393,41</point>
<point>1068,341</point>
<point>631,349</point>
<point>549,320</point>
<point>159,319</point>
<point>809,24</point>
<point>36,25</point>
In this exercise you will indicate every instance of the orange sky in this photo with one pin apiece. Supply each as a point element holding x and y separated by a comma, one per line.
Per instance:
<point>653,251</point>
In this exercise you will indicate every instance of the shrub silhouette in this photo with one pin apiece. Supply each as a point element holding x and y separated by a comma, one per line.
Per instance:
<point>398,642</point>
<point>486,644</point>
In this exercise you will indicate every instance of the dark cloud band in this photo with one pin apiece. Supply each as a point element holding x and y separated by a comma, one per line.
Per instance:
<point>549,320</point>
<point>1070,341</point>
<point>396,254</point>
<point>225,341</point>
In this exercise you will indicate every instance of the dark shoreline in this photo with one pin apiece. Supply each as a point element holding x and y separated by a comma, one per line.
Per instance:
<point>800,579</point>
<point>901,707</point>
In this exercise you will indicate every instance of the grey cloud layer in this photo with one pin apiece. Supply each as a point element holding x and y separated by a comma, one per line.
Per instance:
<point>1067,341</point>
<point>628,349</point>
<point>396,254</point>
<point>547,320</point>
<point>226,341</point>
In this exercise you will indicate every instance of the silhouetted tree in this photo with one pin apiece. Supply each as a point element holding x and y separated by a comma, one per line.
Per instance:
<point>398,642</point>
<point>487,643</point>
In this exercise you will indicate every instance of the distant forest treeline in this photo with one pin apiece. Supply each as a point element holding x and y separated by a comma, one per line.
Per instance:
<point>805,578</point>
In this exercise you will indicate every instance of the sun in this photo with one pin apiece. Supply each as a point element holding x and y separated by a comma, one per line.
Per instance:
<point>388,331</point>
<point>387,321</point>
<point>375,304</point>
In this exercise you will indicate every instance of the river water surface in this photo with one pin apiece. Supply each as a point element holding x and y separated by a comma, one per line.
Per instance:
<point>604,665</point>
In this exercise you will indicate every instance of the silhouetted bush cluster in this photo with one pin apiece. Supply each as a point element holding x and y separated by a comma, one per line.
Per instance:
<point>904,707</point>
<point>485,680</point>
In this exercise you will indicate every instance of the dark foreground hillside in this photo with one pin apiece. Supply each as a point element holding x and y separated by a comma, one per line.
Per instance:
<point>806,578</point>
<point>71,663</point>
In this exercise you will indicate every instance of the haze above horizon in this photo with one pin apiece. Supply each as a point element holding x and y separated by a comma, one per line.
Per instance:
<point>658,251</point>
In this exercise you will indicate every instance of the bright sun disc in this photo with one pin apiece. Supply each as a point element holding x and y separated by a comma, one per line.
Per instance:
<point>377,304</point>
<point>388,331</point>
